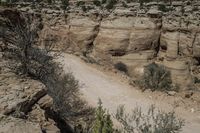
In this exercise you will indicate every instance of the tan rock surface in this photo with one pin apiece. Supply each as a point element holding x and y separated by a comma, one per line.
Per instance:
<point>14,125</point>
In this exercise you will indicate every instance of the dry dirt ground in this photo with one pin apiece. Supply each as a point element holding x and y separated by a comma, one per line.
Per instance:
<point>114,90</point>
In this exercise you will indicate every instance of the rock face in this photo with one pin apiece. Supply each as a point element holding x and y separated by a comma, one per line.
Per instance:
<point>14,125</point>
<point>23,104</point>
<point>132,33</point>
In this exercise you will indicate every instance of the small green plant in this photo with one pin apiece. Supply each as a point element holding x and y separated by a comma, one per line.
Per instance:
<point>152,121</point>
<point>103,122</point>
<point>156,77</point>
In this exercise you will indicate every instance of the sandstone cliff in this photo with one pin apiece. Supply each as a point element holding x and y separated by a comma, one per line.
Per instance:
<point>130,33</point>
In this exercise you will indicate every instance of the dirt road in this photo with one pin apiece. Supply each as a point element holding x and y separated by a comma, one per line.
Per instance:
<point>97,84</point>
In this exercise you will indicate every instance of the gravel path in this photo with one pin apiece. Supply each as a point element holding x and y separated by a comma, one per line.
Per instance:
<point>97,84</point>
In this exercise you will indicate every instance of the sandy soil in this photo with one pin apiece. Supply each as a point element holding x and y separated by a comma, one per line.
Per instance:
<point>114,92</point>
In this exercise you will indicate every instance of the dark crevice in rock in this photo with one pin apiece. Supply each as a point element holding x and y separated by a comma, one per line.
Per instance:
<point>22,108</point>
<point>90,46</point>
<point>27,105</point>
<point>198,60</point>
<point>158,48</point>
<point>117,52</point>
<point>193,41</point>
<point>60,122</point>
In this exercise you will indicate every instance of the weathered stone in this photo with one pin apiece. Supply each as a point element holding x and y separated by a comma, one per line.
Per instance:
<point>14,125</point>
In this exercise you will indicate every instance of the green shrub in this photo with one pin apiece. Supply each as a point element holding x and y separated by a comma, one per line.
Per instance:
<point>103,122</point>
<point>121,66</point>
<point>97,2</point>
<point>152,121</point>
<point>156,77</point>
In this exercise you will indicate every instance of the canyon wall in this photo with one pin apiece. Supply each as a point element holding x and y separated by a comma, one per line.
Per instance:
<point>130,33</point>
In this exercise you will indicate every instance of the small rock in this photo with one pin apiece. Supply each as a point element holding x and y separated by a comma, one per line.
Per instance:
<point>192,110</point>
<point>188,95</point>
<point>171,93</point>
<point>26,87</point>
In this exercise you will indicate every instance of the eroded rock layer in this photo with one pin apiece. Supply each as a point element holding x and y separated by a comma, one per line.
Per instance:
<point>130,33</point>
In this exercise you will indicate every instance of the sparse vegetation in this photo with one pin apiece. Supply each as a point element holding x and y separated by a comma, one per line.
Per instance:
<point>152,121</point>
<point>103,122</point>
<point>121,66</point>
<point>156,77</point>
<point>27,59</point>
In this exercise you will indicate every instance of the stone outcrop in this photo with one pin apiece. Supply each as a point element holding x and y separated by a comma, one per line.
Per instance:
<point>130,33</point>
<point>23,104</point>
<point>14,125</point>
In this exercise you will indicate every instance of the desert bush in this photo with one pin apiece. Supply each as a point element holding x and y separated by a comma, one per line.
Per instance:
<point>21,36</point>
<point>156,77</point>
<point>152,121</point>
<point>103,122</point>
<point>121,66</point>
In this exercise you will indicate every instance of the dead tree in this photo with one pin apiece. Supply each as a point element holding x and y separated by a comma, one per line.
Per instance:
<point>21,35</point>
